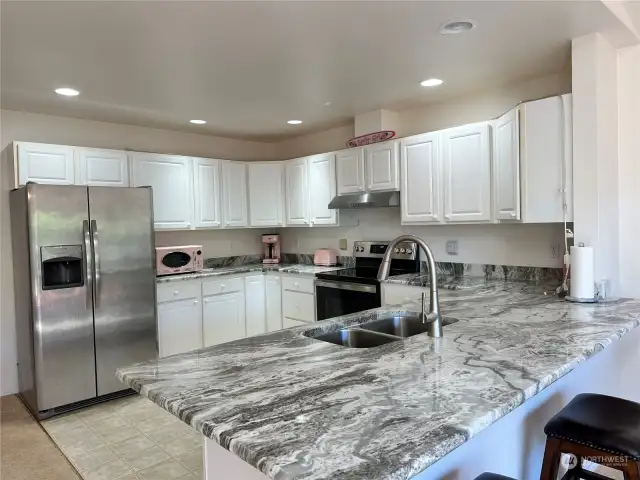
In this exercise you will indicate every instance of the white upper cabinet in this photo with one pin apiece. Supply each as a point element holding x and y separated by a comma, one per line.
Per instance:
<point>170,177</point>
<point>266,194</point>
<point>42,163</point>
<point>420,174</point>
<point>106,168</point>
<point>234,194</point>
<point>381,166</point>
<point>350,166</point>
<point>207,193</point>
<point>322,189</point>
<point>256,322</point>
<point>506,166</point>
<point>546,160</point>
<point>466,159</point>
<point>297,191</point>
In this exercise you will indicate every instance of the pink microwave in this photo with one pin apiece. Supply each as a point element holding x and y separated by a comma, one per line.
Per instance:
<point>185,259</point>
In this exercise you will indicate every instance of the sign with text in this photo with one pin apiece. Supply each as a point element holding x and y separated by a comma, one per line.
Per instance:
<point>370,138</point>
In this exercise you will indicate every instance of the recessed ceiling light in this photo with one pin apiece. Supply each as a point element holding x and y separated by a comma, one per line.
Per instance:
<point>457,26</point>
<point>67,92</point>
<point>432,82</point>
<point>326,104</point>
<point>294,122</point>
<point>198,122</point>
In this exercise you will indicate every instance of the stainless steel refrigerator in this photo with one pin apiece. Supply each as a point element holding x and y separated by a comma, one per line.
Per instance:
<point>84,280</point>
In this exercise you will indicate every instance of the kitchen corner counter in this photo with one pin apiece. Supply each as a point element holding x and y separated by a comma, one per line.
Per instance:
<point>296,407</point>
<point>298,269</point>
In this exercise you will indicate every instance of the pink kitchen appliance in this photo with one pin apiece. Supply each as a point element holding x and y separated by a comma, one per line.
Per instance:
<point>184,259</point>
<point>271,249</point>
<point>325,257</point>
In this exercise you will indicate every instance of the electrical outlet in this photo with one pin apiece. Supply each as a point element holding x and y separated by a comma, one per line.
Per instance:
<point>452,247</point>
<point>343,244</point>
<point>555,251</point>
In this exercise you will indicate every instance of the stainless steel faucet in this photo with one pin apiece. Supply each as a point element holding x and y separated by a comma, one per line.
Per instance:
<point>433,318</point>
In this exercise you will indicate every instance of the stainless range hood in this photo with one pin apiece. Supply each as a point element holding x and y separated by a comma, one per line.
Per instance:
<point>366,200</point>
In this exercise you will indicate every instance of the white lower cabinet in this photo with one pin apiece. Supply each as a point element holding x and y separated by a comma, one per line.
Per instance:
<point>273,293</point>
<point>255,305</point>
<point>223,318</point>
<point>179,326</point>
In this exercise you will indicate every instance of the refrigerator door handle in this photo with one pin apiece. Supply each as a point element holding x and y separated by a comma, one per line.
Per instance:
<point>96,261</point>
<point>89,263</point>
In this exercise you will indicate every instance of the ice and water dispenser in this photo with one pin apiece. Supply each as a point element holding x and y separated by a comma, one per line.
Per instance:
<point>62,266</point>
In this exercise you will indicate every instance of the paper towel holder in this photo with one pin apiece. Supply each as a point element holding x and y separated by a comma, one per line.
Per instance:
<point>569,298</point>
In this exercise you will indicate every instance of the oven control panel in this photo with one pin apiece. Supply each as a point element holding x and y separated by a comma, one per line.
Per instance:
<point>403,251</point>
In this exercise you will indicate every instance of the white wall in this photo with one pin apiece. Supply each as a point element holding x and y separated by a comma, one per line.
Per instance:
<point>629,169</point>
<point>520,245</point>
<point>595,152</point>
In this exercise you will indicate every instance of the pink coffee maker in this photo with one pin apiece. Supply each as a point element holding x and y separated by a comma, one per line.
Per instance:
<point>271,249</point>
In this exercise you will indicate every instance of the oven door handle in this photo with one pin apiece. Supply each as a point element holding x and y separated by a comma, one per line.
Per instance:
<point>354,287</point>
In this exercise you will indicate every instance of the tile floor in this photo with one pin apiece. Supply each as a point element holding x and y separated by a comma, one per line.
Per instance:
<point>127,439</point>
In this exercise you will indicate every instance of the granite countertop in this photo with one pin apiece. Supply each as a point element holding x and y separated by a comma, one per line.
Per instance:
<point>295,268</point>
<point>296,407</point>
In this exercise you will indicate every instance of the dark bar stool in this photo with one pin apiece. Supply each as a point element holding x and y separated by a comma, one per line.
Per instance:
<point>599,428</point>
<point>492,476</point>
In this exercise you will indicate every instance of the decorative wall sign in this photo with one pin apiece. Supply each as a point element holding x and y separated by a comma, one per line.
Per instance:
<point>370,138</point>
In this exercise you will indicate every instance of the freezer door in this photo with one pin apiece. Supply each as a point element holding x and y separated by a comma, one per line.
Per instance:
<point>61,294</point>
<point>125,283</point>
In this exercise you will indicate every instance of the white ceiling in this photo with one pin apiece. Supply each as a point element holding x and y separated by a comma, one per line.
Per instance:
<point>247,67</point>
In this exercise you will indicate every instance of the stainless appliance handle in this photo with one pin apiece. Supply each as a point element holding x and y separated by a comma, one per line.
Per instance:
<point>355,287</point>
<point>96,261</point>
<point>88,258</point>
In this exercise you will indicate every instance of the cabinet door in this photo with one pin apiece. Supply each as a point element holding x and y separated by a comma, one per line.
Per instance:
<point>381,166</point>
<point>255,305</point>
<point>106,168</point>
<point>274,302</point>
<point>223,318</point>
<point>322,189</point>
<point>467,173</point>
<point>170,177</point>
<point>420,178</point>
<point>179,326</point>
<point>290,322</point>
<point>297,191</point>
<point>350,167</point>
<point>207,192</point>
<point>266,194</point>
<point>506,166</point>
<point>234,194</point>
<point>42,163</point>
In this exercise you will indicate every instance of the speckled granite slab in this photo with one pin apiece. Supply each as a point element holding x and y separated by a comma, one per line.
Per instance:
<point>255,267</point>
<point>296,407</point>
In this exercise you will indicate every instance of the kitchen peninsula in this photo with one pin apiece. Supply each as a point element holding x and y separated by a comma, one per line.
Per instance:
<point>292,406</point>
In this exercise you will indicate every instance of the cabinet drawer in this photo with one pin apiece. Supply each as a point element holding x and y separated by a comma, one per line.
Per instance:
<point>298,284</point>
<point>178,291</point>
<point>299,306</point>
<point>224,285</point>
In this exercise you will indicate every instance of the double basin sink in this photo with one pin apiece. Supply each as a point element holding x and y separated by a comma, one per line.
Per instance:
<point>379,332</point>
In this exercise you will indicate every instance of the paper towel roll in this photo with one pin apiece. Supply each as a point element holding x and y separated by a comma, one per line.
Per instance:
<point>582,273</point>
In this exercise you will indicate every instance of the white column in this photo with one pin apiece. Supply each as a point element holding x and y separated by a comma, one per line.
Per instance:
<point>629,169</point>
<point>595,152</point>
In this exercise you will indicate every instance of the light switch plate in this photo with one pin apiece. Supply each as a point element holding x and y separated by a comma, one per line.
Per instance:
<point>452,247</point>
<point>343,244</point>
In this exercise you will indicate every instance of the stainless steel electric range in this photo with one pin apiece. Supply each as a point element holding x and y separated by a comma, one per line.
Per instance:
<point>351,290</point>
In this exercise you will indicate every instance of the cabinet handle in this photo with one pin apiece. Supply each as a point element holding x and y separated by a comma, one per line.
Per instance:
<point>205,300</point>
<point>195,301</point>
<point>295,284</point>
<point>513,214</point>
<point>175,292</point>
<point>223,286</point>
